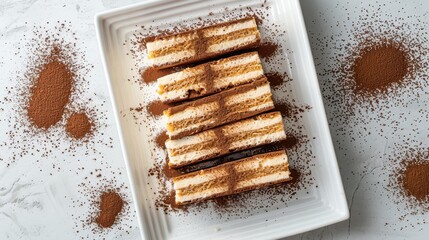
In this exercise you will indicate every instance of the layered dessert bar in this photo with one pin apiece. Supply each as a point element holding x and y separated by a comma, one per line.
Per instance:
<point>233,177</point>
<point>203,43</point>
<point>221,108</point>
<point>211,77</point>
<point>252,132</point>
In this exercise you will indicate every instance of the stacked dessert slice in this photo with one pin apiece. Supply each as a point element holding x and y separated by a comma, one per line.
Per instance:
<point>228,116</point>
<point>209,78</point>
<point>218,109</point>
<point>248,133</point>
<point>203,43</point>
<point>233,177</point>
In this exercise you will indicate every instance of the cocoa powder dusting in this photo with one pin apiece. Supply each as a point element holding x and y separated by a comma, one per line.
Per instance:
<point>160,140</point>
<point>78,125</point>
<point>276,79</point>
<point>156,108</point>
<point>111,205</point>
<point>267,49</point>
<point>151,75</point>
<point>379,66</point>
<point>50,93</point>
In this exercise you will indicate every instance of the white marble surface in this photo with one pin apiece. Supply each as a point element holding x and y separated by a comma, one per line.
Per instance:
<point>38,201</point>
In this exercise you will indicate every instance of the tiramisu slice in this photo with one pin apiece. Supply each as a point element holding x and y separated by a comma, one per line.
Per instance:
<point>209,78</point>
<point>252,132</point>
<point>221,108</point>
<point>203,43</point>
<point>233,177</point>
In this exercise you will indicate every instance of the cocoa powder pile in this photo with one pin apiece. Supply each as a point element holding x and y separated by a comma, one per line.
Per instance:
<point>408,183</point>
<point>78,125</point>
<point>50,93</point>
<point>415,180</point>
<point>267,49</point>
<point>51,86</point>
<point>378,67</point>
<point>111,205</point>
<point>156,108</point>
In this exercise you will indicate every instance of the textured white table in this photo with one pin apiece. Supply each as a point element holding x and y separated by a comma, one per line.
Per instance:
<point>37,200</point>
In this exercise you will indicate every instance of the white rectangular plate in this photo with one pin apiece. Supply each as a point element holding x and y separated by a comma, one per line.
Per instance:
<point>317,204</point>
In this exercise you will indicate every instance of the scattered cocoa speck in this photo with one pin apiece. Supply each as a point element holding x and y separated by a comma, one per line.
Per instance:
<point>137,109</point>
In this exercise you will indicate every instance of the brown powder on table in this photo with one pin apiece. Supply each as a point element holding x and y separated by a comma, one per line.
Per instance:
<point>408,182</point>
<point>50,86</point>
<point>78,125</point>
<point>107,202</point>
<point>111,205</point>
<point>415,180</point>
<point>50,93</point>
<point>375,70</point>
<point>378,67</point>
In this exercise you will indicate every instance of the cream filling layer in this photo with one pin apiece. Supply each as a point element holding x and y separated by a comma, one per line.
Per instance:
<point>172,57</point>
<point>203,194</point>
<point>242,97</point>
<point>282,175</point>
<point>183,92</point>
<point>231,44</point>
<point>179,159</point>
<point>169,42</point>
<point>178,76</point>
<point>190,140</point>
<point>261,162</point>
<point>255,141</point>
<point>199,178</point>
<point>217,31</point>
